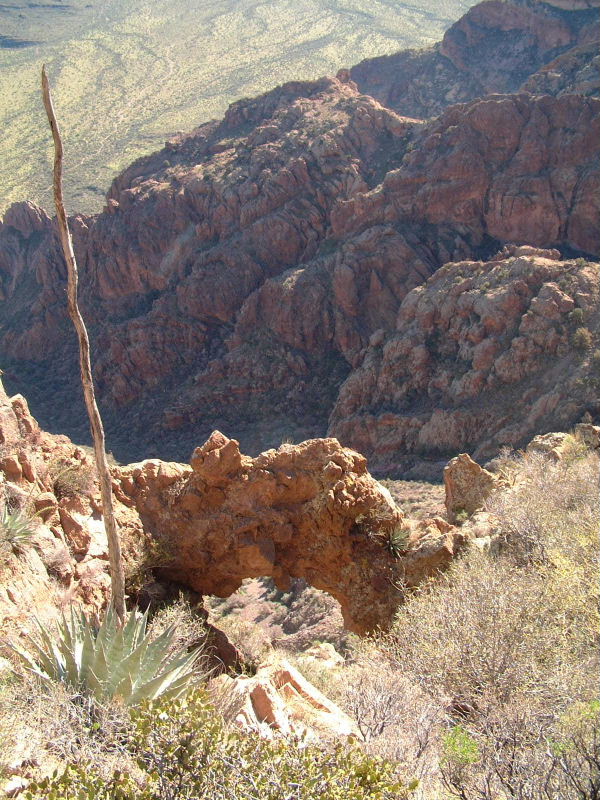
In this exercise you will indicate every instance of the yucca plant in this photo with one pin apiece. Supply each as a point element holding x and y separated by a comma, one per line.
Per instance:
<point>108,661</point>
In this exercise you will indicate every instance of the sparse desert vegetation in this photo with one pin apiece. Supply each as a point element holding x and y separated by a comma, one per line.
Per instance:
<point>484,689</point>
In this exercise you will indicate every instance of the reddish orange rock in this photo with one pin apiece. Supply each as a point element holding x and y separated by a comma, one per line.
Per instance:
<point>309,511</point>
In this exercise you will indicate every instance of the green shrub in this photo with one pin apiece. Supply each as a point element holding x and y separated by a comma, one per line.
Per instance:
<point>577,317</point>
<point>109,661</point>
<point>79,783</point>
<point>185,751</point>
<point>461,515</point>
<point>460,752</point>
<point>384,528</point>
<point>460,748</point>
<point>582,339</point>
<point>70,480</point>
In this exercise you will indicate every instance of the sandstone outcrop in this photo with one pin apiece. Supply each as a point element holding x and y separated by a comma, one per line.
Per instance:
<point>310,510</point>
<point>278,699</point>
<point>577,72</point>
<point>484,355</point>
<point>560,445</point>
<point>67,559</point>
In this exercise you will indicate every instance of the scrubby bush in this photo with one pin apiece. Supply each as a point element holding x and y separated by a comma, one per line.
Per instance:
<point>142,554</point>
<point>248,638</point>
<point>594,377</point>
<point>582,339</point>
<point>184,751</point>
<point>508,644</point>
<point>43,725</point>
<point>71,480</point>
<point>485,689</point>
<point>577,317</point>
<point>185,622</point>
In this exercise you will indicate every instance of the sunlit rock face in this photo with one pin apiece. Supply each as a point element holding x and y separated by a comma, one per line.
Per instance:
<point>307,511</point>
<point>485,354</point>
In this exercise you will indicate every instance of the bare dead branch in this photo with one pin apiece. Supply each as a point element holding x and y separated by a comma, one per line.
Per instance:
<point>114,546</point>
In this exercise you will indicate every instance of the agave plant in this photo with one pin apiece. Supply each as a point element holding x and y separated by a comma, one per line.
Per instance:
<point>15,528</point>
<point>109,661</point>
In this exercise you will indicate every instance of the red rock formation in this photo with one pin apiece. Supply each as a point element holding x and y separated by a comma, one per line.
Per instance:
<point>67,559</point>
<point>576,71</point>
<point>310,511</point>
<point>484,355</point>
<point>307,511</point>
<point>236,278</point>
<point>279,698</point>
<point>494,47</point>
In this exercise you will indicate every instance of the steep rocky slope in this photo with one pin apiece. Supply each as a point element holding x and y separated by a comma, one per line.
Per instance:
<point>484,355</point>
<point>237,277</point>
<point>495,47</point>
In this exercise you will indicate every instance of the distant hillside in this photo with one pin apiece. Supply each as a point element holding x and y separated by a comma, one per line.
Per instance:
<point>128,73</point>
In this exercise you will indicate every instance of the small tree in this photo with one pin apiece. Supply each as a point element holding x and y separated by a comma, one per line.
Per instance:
<point>114,546</point>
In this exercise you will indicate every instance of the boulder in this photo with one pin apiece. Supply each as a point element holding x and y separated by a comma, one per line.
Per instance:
<point>467,486</point>
<point>279,700</point>
<point>549,444</point>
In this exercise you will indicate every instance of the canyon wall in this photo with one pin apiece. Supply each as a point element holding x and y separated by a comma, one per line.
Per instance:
<point>243,277</point>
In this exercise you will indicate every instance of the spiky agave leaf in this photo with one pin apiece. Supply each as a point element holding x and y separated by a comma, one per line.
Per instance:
<point>16,528</point>
<point>109,660</point>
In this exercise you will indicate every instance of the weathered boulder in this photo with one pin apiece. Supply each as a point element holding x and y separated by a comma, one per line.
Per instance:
<point>558,444</point>
<point>278,699</point>
<point>467,486</point>
<point>307,511</point>
<point>589,434</point>
<point>549,444</point>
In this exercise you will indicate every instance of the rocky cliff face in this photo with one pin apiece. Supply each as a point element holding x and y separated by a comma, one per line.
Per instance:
<point>483,355</point>
<point>495,47</point>
<point>240,276</point>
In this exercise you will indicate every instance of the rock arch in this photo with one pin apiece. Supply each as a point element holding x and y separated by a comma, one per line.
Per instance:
<point>309,511</point>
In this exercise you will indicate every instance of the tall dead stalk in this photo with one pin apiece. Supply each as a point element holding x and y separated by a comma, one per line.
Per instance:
<point>114,545</point>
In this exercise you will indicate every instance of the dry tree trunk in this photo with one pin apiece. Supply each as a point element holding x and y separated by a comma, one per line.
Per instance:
<point>114,545</point>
